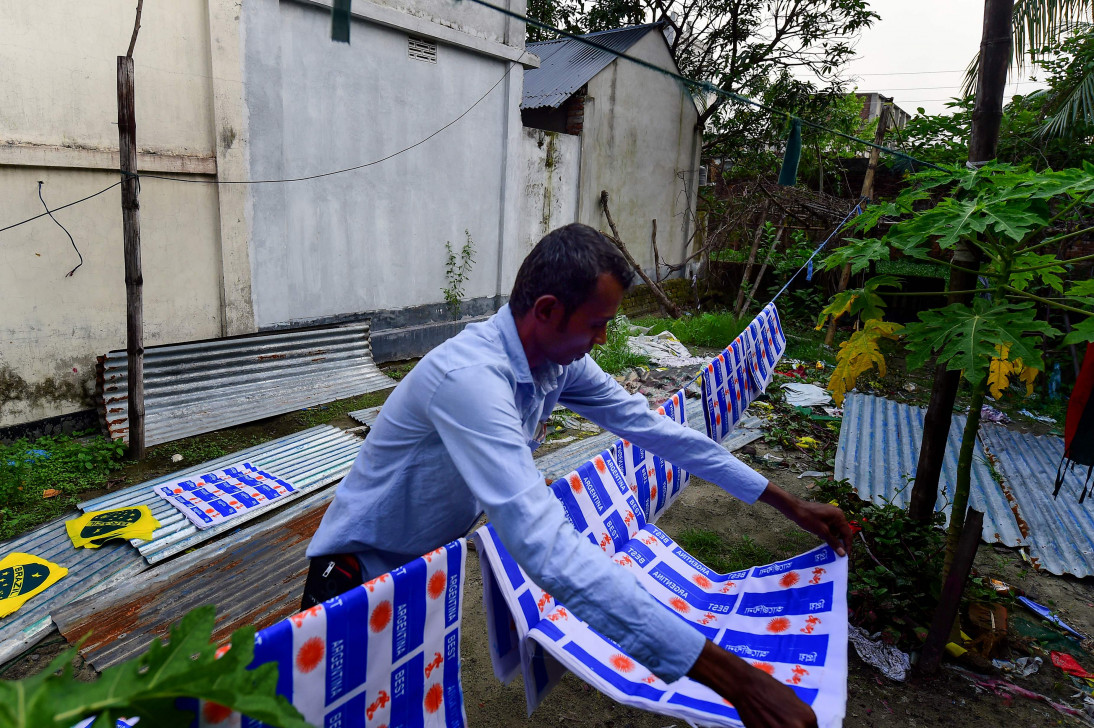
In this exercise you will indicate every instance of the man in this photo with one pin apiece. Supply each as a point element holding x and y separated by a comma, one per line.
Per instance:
<point>455,438</point>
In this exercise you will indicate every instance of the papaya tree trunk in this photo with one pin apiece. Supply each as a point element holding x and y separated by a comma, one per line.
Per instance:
<point>964,473</point>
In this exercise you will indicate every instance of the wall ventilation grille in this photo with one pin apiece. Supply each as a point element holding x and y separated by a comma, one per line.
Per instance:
<point>421,50</point>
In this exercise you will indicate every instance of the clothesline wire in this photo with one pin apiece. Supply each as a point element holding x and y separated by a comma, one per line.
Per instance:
<point>705,86</point>
<point>857,209</point>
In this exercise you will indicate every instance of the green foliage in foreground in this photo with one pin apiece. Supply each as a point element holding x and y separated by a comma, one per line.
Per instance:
<point>148,686</point>
<point>29,469</point>
<point>721,555</point>
<point>715,330</point>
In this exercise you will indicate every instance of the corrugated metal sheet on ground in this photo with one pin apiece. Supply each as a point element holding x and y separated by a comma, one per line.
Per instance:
<point>566,65</point>
<point>559,462</point>
<point>208,385</point>
<point>308,460</point>
<point>879,450</point>
<point>1061,531</point>
<point>366,416</point>
<point>88,570</point>
<point>254,577</point>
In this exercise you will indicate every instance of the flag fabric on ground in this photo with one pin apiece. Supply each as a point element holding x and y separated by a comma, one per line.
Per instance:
<point>654,481</point>
<point>24,576</point>
<point>741,372</point>
<point>93,529</point>
<point>788,618</point>
<point>213,498</point>
<point>383,654</point>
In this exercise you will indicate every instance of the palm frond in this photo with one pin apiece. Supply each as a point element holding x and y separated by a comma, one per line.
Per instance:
<point>1072,104</point>
<point>1039,23</point>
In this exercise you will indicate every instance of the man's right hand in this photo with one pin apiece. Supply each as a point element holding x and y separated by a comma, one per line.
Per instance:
<point>760,700</point>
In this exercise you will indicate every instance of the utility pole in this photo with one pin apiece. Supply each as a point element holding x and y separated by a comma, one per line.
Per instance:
<point>867,194</point>
<point>131,232</point>
<point>995,53</point>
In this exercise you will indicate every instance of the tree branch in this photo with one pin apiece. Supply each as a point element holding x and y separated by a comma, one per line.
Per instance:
<point>671,307</point>
<point>136,27</point>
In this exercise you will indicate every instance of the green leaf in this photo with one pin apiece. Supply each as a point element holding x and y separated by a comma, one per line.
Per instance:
<point>1082,332</point>
<point>858,253</point>
<point>1049,274</point>
<point>147,687</point>
<point>966,338</point>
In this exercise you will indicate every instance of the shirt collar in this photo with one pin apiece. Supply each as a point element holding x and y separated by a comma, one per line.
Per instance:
<point>546,375</point>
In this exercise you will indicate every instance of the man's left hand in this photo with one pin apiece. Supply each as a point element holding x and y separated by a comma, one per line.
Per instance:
<point>821,519</point>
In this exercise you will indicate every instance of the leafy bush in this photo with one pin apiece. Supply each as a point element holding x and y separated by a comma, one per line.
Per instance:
<point>896,563</point>
<point>614,356</point>
<point>715,330</point>
<point>29,469</point>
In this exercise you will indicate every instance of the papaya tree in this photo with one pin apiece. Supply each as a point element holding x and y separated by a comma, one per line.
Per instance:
<point>1018,220</point>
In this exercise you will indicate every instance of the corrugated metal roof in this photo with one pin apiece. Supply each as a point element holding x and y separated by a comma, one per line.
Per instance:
<point>366,416</point>
<point>1061,531</point>
<point>88,570</point>
<point>254,577</point>
<point>879,450</point>
<point>566,64</point>
<point>308,460</point>
<point>208,385</point>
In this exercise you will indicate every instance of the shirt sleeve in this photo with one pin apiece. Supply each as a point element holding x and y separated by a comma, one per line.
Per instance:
<point>592,393</point>
<point>476,417</point>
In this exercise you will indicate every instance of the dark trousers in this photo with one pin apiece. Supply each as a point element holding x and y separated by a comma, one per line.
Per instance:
<point>328,577</point>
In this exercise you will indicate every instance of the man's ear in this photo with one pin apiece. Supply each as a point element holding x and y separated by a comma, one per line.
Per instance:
<point>547,309</point>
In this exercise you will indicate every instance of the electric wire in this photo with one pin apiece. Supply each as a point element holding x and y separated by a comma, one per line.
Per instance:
<point>51,217</point>
<point>70,204</point>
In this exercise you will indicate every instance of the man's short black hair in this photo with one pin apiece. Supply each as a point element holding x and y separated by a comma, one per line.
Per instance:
<point>566,264</point>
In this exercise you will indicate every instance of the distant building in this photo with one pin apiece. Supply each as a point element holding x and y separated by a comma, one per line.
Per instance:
<point>594,122</point>
<point>872,103</point>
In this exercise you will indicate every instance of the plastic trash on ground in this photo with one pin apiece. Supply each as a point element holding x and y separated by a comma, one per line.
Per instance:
<point>665,350</point>
<point>1047,614</point>
<point>805,395</point>
<point>892,663</point>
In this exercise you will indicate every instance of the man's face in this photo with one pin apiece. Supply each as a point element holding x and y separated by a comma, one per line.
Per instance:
<point>566,341</point>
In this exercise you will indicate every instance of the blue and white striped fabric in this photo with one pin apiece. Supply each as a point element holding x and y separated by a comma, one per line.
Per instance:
<point>653,480</point>
<point>215,497</point>
<point>122,723</point>
<point>741,372</point>
<point>383,654</point>
<point>788,619</point>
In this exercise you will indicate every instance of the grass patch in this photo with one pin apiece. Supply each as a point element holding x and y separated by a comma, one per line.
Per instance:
<point>614,356</point>
<point>714,330</point>
<point>723,555</point>
<point>69,465</point>
<point>324,414</point>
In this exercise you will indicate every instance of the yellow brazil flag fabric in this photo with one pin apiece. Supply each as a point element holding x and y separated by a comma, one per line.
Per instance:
<point>23,576</point>
<point>93,529</point>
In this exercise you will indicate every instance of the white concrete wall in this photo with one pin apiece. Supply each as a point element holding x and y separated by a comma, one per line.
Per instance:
<point>640,144</point>
<point>551,166</point>
<point>375,238</point>
<point>58,124</point>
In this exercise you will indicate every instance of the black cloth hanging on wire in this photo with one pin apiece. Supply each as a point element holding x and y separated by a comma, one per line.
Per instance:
<point>1079,427</point>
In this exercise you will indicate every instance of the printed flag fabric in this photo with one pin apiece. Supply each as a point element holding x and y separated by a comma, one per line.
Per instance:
<point>122,722</point>
<point>93,529</point>
<point>383,654</point>
<point>788,618</point>
<point>741,372</point>
<point>213,498</point>
<point>654,481</point>
<point>24,576</point>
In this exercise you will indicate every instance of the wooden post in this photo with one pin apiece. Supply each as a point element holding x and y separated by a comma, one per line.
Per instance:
<point>763,268</point>
<point>867,193</point>
<point>944,616</point>
<point>737,308</point>
<point>131,230</point>
<point>995,52</point>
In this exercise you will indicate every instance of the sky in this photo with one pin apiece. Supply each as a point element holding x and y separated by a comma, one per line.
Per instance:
<point>917,53</point>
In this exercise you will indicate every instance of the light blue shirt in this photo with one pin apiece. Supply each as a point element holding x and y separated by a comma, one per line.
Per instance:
<point>456,438</point>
